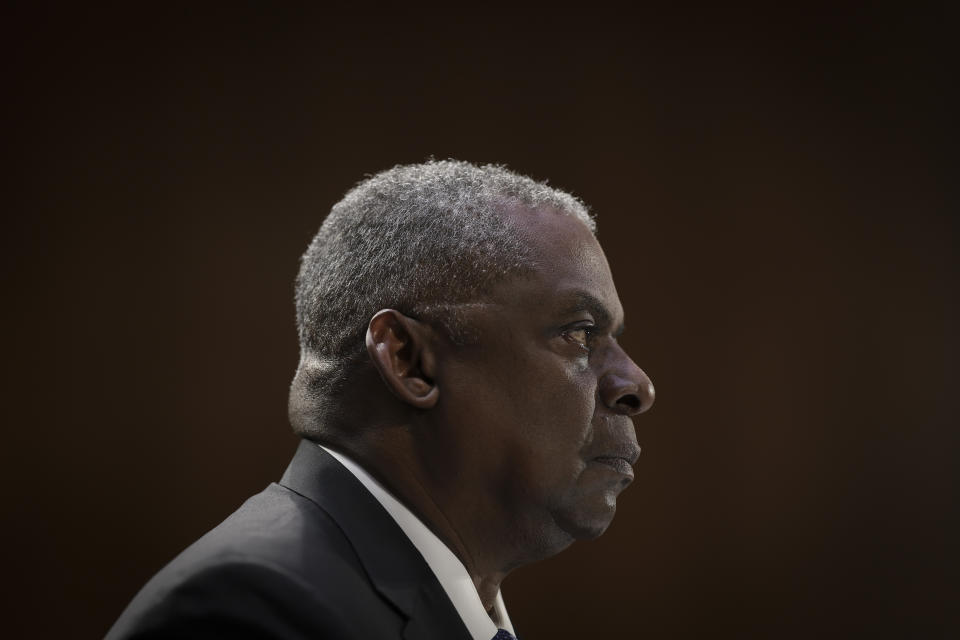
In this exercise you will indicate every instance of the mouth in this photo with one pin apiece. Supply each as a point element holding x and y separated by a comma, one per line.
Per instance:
<point>619,464</point>
<point>618,454</point>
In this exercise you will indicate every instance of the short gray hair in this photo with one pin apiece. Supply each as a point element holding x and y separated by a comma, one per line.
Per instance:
<point>415,238</point>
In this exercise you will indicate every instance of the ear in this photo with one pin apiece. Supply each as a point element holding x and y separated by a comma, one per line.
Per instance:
<point>399,348</point>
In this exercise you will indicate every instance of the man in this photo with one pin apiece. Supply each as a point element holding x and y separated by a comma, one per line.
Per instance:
<point>465,410</point>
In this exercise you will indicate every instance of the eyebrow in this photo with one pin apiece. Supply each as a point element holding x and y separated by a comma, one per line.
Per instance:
<point>583,301</point>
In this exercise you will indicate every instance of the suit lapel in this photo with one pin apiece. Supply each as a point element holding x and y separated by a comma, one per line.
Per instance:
<point>434,617</point>
<point>393,564</point>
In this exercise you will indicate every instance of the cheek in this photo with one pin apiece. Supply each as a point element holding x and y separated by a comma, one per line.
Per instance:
<point>558,414</point>
<point>566,391</point>
<point>533,408</point>
<point>542,381</point>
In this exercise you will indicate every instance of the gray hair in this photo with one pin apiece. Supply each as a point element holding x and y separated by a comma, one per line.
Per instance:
<point>416,238</point>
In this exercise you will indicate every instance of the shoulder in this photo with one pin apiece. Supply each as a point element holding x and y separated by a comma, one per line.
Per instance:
<point>230,598</point>
<point>278,567</point>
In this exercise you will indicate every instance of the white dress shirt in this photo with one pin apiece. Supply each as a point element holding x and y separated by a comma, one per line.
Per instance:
<point>450,572</point>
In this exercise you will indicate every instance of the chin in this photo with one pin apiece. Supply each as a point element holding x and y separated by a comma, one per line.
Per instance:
<point>565,527</point>
<point>587,524</point>
<point>588,531</point>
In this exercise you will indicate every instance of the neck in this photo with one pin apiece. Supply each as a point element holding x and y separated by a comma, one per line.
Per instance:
<point>473,528</point>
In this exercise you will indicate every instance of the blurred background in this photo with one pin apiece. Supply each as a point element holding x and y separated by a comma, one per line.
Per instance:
<point>773,194</point>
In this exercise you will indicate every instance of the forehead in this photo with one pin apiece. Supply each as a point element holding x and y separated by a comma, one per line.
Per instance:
<point>570,271</point>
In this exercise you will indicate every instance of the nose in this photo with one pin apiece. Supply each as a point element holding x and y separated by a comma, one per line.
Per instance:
<point>625,388</point>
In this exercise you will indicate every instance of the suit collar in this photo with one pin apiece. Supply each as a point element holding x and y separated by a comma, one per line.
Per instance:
<point>393,564</point>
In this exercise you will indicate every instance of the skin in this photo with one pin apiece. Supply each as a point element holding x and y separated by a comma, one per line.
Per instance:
<point>511,447</point>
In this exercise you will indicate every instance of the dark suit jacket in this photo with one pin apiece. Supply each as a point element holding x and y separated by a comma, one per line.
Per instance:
<point>314,556</point>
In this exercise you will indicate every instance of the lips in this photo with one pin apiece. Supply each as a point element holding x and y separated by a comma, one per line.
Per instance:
<point>620,458</point>
<point>616,446</point>
<point>620,465</point>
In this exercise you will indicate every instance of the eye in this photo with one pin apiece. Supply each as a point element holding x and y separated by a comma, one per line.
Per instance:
<point>579,336</point>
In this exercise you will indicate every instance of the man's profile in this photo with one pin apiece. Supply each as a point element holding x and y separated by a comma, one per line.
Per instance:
<point>465,410</point>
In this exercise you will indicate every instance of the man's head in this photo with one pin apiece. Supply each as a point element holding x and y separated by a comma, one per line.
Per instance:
<point>423,239</point>
<point>488,314</point>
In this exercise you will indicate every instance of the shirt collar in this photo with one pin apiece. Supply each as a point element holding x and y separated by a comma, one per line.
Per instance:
<point>450,572</point>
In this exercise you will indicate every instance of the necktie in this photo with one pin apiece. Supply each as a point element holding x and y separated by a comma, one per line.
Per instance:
<point>503,634</point>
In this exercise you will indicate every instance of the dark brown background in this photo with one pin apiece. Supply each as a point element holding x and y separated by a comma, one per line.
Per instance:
<point>772,192</point>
